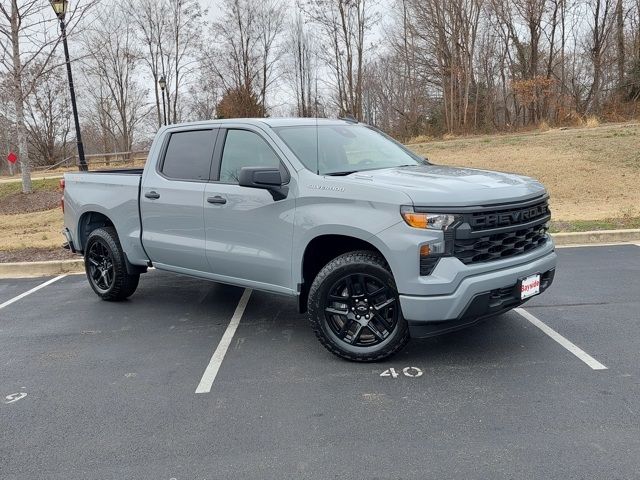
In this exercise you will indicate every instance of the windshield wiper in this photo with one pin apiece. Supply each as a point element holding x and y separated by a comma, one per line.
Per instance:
<point>341,174</point>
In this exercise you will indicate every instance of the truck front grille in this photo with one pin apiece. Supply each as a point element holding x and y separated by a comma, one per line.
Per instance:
<point>499,246</point>
<point>494,233</point>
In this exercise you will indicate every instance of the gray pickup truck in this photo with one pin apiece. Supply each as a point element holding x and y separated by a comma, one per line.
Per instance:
<point>376,243</point>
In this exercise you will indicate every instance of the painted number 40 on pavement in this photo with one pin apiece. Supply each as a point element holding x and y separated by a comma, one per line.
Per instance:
<point>411,372</point>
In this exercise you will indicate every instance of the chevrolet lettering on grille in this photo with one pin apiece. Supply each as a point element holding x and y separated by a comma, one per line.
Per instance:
<point>509,218</point>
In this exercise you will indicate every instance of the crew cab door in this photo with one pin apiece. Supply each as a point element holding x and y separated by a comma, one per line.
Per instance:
<point>172,201</point>
<point>248,233</point>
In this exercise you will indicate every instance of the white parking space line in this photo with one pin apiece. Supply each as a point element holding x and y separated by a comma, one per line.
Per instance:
<point>33,290</point>
<point>577,351</point>
<point>211,371</point>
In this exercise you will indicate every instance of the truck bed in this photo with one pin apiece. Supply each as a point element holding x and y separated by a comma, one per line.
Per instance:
<point>112,193</point>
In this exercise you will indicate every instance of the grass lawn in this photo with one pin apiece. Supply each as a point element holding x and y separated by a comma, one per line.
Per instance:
<point>31,230</point>
<point>591,173</point>
<point>46,184</point>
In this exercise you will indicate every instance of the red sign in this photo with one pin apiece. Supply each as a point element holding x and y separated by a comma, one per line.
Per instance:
<point>12,157</point>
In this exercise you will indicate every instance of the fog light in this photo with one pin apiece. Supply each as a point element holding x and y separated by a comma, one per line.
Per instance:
<point>432,248</point>
<point>430,254</point>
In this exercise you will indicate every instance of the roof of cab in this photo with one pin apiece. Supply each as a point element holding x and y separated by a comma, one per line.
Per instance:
<point>272,122</point>
<point>291,122</point>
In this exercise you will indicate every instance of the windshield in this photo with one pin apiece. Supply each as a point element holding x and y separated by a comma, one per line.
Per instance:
<point>344,149</point>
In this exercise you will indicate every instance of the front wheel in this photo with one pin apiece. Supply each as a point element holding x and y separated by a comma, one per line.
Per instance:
<point>354,308</point>
<point>106,267</point>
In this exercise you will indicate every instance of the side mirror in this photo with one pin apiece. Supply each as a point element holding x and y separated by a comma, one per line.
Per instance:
<point>267,178</point>
<point>260,177</point>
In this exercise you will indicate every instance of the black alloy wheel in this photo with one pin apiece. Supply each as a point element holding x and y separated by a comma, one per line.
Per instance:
<point>106,266</point>
<point>101,268</point>
<point>354,308</point>
<point>361,310</point>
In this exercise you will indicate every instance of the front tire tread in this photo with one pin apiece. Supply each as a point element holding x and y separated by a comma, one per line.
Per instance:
<point>316,313</point>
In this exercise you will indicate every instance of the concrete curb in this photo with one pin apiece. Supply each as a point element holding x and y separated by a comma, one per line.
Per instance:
<point>597,236</point>
<point>40,269</point>
<point>58,267</point>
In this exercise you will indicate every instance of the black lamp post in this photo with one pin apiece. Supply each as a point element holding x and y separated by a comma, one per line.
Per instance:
<point>60,7</point>
<point>163,86</point>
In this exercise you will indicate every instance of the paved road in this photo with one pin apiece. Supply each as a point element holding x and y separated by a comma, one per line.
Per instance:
<point>110,388</point>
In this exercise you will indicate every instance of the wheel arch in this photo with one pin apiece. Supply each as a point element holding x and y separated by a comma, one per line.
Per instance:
<point>92,220</point>
<point>88,222</point>
<point>320,250</point>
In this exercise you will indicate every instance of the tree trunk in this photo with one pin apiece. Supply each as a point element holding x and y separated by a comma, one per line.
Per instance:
<point>23,149</point>
<point>620,42</point>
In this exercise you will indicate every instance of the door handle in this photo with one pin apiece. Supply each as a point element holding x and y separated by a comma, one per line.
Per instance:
<point>152,195</point>
<point>217,200</point>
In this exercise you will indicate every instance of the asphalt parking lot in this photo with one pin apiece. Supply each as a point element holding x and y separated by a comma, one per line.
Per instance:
<point>96,390</point>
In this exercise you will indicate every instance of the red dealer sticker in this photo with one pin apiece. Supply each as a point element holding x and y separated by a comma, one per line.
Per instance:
<point>12,157</point>
<point>530,286</point>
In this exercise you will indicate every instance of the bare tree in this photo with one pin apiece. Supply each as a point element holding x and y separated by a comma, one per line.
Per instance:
<point>204,96</point>
<point>48,119</point>
<point>112,63</point>
<point>28,37</point>
<point>634,70</point>
<point>302,57</point>
<point>170,31</point>
<point>149,16</point>
<point>185,27</point>
<point>247,46</point>
<point>600,26</point>
<point>270,22</point>
<point>23,24</point>
<point>346,25</point>
<point>522,23</point>
<point>396,88</point>
<point>7,136</point>
<point>620,43</point>
<point>446,39</point>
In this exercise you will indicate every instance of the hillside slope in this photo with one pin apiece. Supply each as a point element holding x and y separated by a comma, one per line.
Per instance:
<point>591,173</point>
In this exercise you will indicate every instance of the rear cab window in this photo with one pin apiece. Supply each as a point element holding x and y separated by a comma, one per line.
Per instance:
<point>188,155</point>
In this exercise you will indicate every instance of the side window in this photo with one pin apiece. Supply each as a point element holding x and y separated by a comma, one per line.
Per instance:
<point>188,155</point>
<point>245,149</point>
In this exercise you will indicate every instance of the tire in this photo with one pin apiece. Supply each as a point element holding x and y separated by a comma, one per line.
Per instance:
<point>106,266</point>
<point>364,321</point>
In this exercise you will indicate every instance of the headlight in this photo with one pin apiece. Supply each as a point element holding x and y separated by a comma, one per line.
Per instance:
<point>434,221</point>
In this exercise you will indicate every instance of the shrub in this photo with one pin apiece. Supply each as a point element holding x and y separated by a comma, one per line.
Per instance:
<point>592,121</point>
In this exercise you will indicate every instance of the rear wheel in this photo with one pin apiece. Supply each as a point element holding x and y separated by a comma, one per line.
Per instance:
<point>106,267</point>
<point>355,310</point>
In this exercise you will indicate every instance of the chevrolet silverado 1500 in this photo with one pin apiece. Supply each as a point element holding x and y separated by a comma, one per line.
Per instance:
<point>376,243</point>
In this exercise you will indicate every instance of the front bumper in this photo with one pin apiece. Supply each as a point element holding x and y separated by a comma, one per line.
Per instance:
<point>476,297</point>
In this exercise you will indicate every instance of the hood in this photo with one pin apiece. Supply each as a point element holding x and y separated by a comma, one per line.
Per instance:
<point>434,185</point>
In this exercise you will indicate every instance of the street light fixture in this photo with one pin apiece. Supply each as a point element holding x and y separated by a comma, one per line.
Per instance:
<point>60,7</point>
<point>163,86</point>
